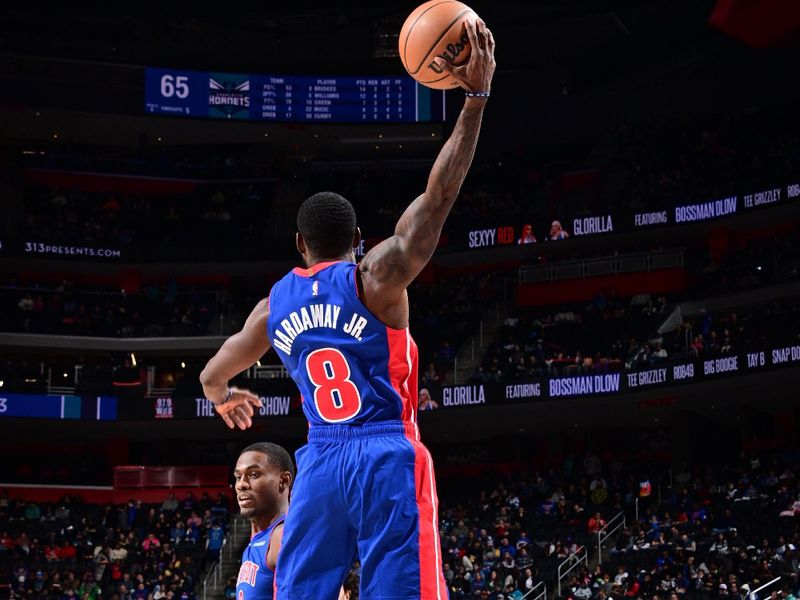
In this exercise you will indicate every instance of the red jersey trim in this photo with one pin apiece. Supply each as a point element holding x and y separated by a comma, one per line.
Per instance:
<point>314,269</point>
<point>431,582</point>
<point>402,372</point>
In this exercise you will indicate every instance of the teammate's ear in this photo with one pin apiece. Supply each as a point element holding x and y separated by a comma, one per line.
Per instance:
<point>285,482</point>
<point>300,243</point>
<point>357,237</point>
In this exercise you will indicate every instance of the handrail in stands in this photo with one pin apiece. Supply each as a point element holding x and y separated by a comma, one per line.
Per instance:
<point>754,594</point>
<point>607,531</point>
<point>214,573</point>
<point>573,560</point>
<point>539,596</point>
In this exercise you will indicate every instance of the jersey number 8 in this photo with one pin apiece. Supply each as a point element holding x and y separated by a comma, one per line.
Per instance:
<point>335,395</point>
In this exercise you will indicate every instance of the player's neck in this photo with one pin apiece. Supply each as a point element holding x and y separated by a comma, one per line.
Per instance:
<point>263,522</point>
<point>310,261</point>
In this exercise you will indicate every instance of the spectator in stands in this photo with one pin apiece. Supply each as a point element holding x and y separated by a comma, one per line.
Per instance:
<point>170,504</point>
<point>26,303</point>
<point>445,353</point>
<point>189,502</point>
<point>229,593</point>
<point>194,520</point>
<point>119,553</point>
<point>151,542</point>
<point>214,541</point>
<point>431,377</point>
<point>596,523</point>
<point>32,511</point>
<point>793,510</point>
<point>658,354</point>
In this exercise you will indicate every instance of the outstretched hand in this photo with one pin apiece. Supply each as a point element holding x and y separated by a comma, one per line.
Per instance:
<point>237,411</point>
<point>476,75</point>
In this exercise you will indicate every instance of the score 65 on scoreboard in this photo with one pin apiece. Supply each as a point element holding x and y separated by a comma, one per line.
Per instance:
<point>280,98</point>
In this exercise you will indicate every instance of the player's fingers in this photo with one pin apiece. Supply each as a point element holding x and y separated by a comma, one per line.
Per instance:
<point>247,397</point>
<point>254,400</point>
<point>244,406</point>
<point>245,417</point>
<point>480,32</point>
<point>443,65</point>
<point>239,419</point>
<point>228,421</point>
<point>472,35</point>
<point>489,41</point>
<point>224,408</point>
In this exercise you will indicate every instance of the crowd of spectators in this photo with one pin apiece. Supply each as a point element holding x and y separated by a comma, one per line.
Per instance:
<point>133,551</point>
<point>721,533</point>
<point>602,336</point>
<point>611,334</point>
<point>67,308</point>
<point>635,165</point>
<point>381,191</point>
<point>710,532</point>
<point>711,334</point>
<point>702,530</point>
<point>769,260</point>
<point>673,159</point>
<point>162,224</point>
<point>505,527</point>
<point>190,162</point>
<point>443,315</point>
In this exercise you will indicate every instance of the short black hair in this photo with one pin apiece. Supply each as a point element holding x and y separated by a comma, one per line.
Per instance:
<point>277,455</point>
<point>327,222</point>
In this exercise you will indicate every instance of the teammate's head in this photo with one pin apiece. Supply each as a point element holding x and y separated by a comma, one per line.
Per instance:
<point>326,225</point>
<point>264,474</point>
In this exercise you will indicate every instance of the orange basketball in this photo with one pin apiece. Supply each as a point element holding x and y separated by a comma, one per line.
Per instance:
<point>435,28</point>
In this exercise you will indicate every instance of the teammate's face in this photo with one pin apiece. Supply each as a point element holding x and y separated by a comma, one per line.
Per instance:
<point>258,484</point>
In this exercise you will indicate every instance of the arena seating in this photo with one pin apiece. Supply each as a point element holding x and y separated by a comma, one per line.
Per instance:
<point>711,529</point>
<point>72,548</point>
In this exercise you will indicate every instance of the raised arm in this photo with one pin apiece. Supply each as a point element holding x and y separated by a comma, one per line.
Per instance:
<point>239,352</point>
<point>390,266</point>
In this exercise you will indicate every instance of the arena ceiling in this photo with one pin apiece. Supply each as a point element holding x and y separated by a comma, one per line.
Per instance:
<point>562,58</point>
<point>344,36</point>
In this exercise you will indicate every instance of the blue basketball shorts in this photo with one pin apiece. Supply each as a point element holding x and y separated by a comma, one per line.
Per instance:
<point>365,491</point>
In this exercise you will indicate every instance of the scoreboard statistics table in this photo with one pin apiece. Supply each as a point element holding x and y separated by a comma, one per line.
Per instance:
<point>282,98</point>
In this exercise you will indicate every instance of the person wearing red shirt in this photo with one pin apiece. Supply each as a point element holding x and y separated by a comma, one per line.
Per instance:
<point>66,552</point>
<point>6,541</point>
<point>151,541</point>
<point>596,523</point>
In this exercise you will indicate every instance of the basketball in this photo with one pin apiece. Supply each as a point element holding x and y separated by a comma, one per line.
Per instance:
<point>435,28</point>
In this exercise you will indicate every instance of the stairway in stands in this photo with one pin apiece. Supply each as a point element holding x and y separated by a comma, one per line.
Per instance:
<point>213,585</point>
<point>471,354</point>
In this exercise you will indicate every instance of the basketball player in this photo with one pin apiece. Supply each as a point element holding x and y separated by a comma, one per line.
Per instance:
<point>264,475</point>
<point>365,481</point>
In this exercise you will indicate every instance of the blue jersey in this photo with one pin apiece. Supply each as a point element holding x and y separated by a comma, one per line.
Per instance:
<point>350,367</point>
<point>256,580</point>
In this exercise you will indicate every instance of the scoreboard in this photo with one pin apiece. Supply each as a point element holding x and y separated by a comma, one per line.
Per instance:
<point>282,98</point>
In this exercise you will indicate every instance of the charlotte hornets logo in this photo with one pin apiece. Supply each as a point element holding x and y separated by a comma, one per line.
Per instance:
<point>229,96</point>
